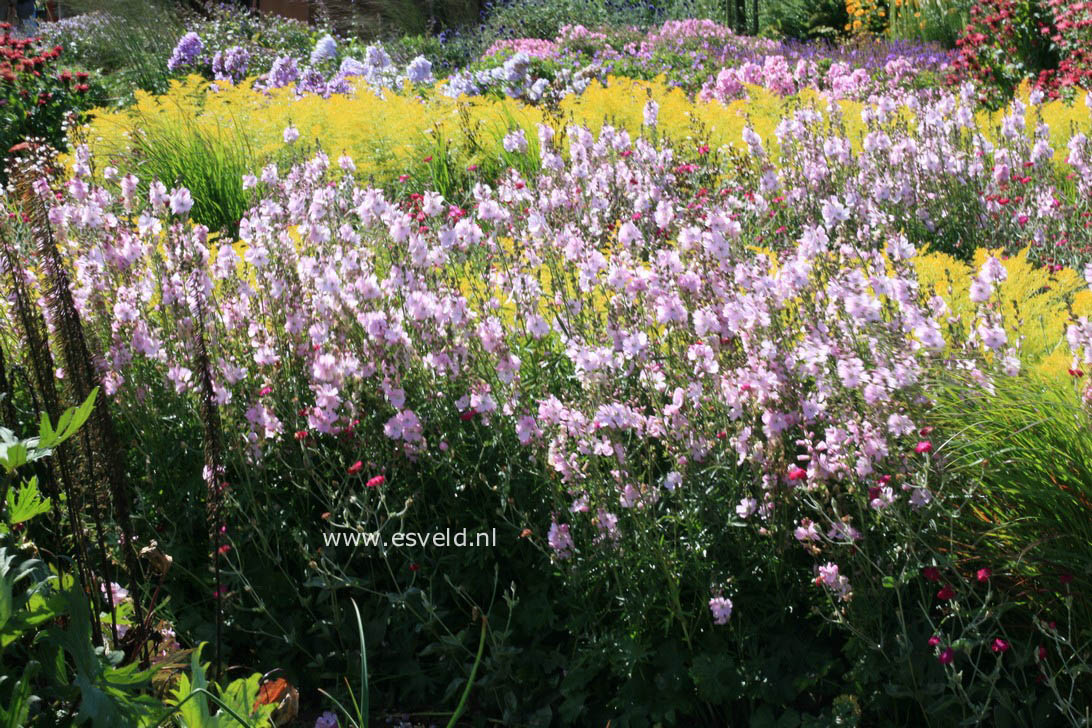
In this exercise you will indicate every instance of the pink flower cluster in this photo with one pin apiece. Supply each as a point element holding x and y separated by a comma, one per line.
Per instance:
<point>533,47</point>
<point>775,74</point>
<point>683,348</point>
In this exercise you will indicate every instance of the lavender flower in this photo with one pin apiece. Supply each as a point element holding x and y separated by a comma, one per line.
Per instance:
<point>419,70</point>
<point>352,67</point>
<point>325,50</point>
<point>312,81</point>
<point>376,57</point>
<point>186,52</point>
<point>284,71</point>
<point>515,142</point>
<point>231,65</point>
<point>721,607</point>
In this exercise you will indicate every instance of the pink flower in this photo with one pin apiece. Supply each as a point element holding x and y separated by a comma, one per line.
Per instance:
<point>999,645</point>
<point>931,573</point>
<point>934,641</point>
<point>946,592</point>
<point>721,607</point>
<point>355,468</point>
<point>560,540</point>
<point>923,447</point>
<point>984,574</point>
<point>181,201</point>
<point>797,473</point>
<point>946,656</point>
<point>376,481</point>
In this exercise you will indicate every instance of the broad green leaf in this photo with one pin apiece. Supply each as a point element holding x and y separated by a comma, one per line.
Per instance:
<point>68,423</point>
<point>26,502</point>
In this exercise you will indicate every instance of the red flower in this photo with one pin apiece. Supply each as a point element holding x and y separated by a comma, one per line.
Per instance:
<point>946,656</point>
<point>923,447</point>
<point>797,473</point>
<point>999,645</point>
<point>1076,373</point>
<point>301,434</point>
<point>414,566</point>
<point>984,574</point>
<point>468,415</point>
<point>946,592</point>
<point>934,641</point>
<point>377,481</point>
<point>355,468</point>
<point>1065,578</point>
<point>223,549</point>
<point>931,573</point>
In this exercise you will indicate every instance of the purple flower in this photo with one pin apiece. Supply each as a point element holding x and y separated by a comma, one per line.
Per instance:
<point>352,67</point>
<point>419,70</point>
<point>376,57</point>
<point>186,52</point>
<point>327,720</point>
<point>325,50</point>
<point>312,82</point>
<point>231,65</point>
<point>283,72</point>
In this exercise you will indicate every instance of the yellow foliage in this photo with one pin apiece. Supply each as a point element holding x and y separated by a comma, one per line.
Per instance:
<point>391,134</point>
<point>1060,116</point>
<point>1036,304</point>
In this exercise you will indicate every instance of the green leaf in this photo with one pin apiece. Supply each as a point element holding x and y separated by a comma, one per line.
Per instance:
<point>13,455</point>
<point>69,422</point>
<point>16,713</point>
<point>26,502</point>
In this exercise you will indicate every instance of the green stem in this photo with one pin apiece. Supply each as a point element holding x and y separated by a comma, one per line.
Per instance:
<point>470,682</point>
